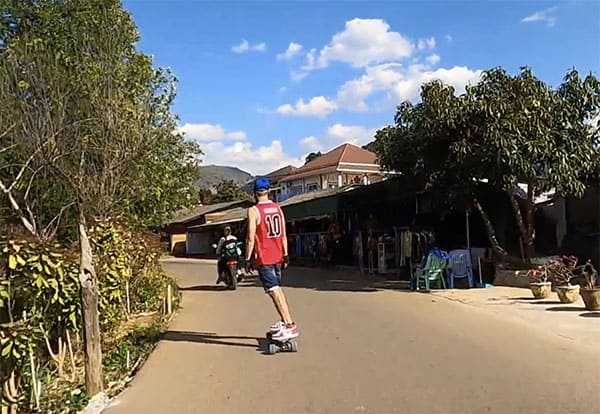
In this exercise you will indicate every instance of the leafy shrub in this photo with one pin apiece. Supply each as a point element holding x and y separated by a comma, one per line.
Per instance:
<point>40,312</point>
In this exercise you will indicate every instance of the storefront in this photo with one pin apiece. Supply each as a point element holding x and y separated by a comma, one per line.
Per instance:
<point>314,235</point>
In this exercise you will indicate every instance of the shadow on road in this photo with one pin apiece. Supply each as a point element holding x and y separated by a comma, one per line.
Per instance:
<point>209,288</point>
<point>349,280</point>
<point>549,302</point>
<point>590,315</point>
<point>565,309</point>
<point>333,280</point>
<point>211,338</point>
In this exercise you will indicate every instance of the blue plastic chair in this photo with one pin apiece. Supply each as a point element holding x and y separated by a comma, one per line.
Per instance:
<point>459,266</point>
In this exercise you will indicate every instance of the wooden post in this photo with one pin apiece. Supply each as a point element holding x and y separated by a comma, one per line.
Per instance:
<point>71,356</point>
<point>169,305</point>
<point>34,381</point>
<point>94,378</point>
<point>127,297</point>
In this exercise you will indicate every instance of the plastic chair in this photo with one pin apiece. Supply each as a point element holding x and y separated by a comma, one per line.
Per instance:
<point>432,272</point>
<point>459,265</point>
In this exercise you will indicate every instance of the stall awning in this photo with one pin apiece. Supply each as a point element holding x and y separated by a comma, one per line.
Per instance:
<point>314,217</point>
<point>235,215</point>
<point>319,208</point>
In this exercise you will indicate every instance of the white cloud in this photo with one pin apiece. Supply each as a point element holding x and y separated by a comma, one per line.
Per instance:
<point>282,89</point>
<point>245,47</point>
<point>311,144</point>
<point>352,94</point>
<point>361,43</point>
<point>210,132</point>
<point>391,79</point>
<point>428,43</point>
<point>319,106</point>
<point>338,134</point>
<point>292,50</point>
<point>545,15</point>
<point>255,160</point>
<point>433,59</point>
<point>400,84</point>
<point>449,38</point>
<point>261,47</point>
<point>297,76</point>
<point>354,134</point>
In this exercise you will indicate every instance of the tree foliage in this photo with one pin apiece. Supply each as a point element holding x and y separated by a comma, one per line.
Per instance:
<point>504,130</point>
<point>108,133</point>
<point>228,190</point>
<point>312,156</point>
<point>88,133</point>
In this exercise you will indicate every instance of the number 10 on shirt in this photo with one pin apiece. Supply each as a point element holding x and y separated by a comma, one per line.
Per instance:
<point>273,222</point>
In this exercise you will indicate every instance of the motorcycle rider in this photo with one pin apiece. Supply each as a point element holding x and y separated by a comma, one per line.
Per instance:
<point>227,238</point>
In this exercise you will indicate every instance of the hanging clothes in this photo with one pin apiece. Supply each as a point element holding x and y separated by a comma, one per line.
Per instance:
<point>407,236</point>
<point>298,245</point>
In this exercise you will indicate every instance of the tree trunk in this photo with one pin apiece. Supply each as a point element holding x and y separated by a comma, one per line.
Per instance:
<point>91,323</point>
<point>529,235</point>
<point>490,229</point>
<point>518,218</point>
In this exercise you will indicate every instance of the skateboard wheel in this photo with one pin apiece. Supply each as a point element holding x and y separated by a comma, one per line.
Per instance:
<point>293,346</point>
<point>272,348</point>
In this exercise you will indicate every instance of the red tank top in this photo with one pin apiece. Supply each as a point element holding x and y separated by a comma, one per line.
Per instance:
<point>270,230</point>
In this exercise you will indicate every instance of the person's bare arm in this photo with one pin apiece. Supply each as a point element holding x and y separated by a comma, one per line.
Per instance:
<point>284,239</point>
<point>251,233</point>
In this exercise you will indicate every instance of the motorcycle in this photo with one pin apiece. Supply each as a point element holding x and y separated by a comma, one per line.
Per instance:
<point>231,272</point>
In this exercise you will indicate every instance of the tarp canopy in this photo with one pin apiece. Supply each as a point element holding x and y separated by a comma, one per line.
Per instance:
<point>232,216</point>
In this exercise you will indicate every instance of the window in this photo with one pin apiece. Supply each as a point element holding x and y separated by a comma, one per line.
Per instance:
<point>312,187</point>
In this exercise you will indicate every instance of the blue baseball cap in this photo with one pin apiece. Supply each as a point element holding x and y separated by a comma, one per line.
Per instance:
<point>262,184</point>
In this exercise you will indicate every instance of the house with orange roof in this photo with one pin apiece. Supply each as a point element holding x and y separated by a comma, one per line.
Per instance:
<point>344,165</point>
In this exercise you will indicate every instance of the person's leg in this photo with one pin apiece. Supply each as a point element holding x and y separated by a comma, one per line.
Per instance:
<point>219,270</point>
<point>281,305</point>
<point>270,277</point>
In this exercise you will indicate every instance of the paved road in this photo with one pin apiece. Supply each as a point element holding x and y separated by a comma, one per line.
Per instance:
<point>364,348</point>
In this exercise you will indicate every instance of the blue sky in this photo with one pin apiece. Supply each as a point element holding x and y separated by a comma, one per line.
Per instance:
<point>263,83</point>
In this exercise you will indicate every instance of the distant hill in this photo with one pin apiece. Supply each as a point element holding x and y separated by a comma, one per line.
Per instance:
<point>211,175</point>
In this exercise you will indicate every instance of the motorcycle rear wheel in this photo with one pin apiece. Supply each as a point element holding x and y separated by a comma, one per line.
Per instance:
<point>232,277</point>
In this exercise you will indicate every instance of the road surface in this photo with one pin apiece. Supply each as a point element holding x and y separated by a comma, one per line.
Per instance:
<point>364,348</point>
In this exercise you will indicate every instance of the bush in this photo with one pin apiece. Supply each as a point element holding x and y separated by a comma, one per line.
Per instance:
<point>40,313</point>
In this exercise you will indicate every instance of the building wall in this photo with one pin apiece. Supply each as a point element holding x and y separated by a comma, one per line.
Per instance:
<point>178,243</point>
<point>325,181</point>
<point>198,243</point>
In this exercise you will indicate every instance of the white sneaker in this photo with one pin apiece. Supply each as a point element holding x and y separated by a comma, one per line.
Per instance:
<point>276,326</point>
<point>285,334</point>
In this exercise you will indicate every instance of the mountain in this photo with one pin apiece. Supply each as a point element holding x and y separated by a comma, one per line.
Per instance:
<point>211,175</point>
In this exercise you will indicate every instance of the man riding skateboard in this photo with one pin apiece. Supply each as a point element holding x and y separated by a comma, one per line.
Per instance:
<point>267,245</point>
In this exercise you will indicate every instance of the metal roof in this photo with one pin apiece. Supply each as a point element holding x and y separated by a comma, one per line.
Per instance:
<point>238,214</point>
<point>302,198</point>
<point>232,216</point>
<point>187,215</point>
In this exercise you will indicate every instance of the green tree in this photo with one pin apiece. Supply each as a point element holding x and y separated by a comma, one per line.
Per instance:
<point>312,156</point>
<point>87,112</point>
<point>228,190</point>
<point>504,130</point>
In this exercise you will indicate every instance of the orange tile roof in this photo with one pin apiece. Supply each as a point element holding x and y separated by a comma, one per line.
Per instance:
<point>330,162</point>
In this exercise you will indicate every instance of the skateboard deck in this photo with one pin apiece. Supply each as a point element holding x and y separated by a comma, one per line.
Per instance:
<point>278,346</point>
